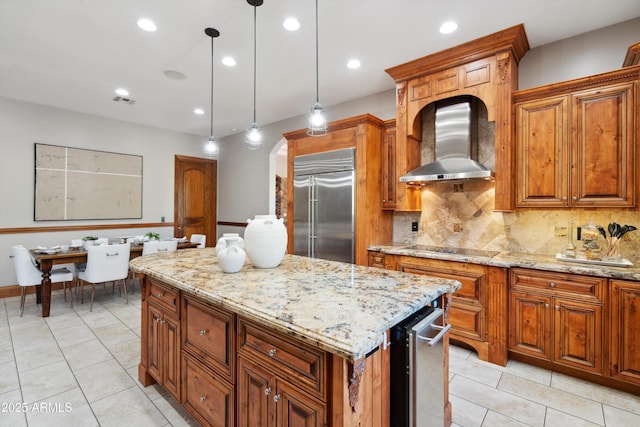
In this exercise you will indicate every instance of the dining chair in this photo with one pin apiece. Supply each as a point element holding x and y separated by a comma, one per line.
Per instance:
<point>201,239</point>
<point>102,241</point>
<point>29,274</point>
<point>159,246</point>
<point>105,263</point>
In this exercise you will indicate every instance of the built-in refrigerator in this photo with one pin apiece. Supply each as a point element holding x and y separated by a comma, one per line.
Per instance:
<point>323,205</point>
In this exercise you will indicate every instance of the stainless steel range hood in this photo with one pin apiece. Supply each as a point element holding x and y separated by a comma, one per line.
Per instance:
<point>452,149</point>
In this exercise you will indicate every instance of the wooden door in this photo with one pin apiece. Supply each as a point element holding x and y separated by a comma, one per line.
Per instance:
<point>255,394</point>
<point>530,324</point>
<point>296,409</point>
<point>578,334</point>
<point>195,203</point>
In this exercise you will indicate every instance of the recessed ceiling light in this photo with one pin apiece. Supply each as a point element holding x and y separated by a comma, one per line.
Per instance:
<point>122,92</point>
<point>199,111</point>
<point>353,64</point>
<point>448,27</point>
<point>175,75</point>
<point>146,24</point>
<point>229,61</point>
<point>291,24</point>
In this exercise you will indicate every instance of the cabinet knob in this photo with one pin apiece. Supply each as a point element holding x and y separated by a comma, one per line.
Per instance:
<point>272,352</point>
<point>267,391</point>
<point>557,307</point>
<point>546,306</point>
<point>552,284</point>
<point>160,295</point>
<point>203,332</point>
<point>276,398</point>
<point>203,398</point>
<point>575,198</point>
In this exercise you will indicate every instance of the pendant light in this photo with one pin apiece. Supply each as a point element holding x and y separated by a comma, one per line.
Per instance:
<point>318,114</point>
<point>253,138</point>
<point>211,148</point>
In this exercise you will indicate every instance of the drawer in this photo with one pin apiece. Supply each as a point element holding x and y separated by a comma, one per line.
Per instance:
<point>208,397</point>
<point>292,360</point>
<point>164,295</point>
<point>208,333</point>
<point>559,283</point>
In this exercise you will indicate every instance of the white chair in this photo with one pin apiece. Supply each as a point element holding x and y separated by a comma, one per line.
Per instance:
<point>159,246</point>
<point>30,275</point>
<point>102,241</point>
<point>199,238</point>
<point>105,263</point>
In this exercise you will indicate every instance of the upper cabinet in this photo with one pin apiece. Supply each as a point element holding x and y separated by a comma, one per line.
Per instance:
<point>486,68</point>
<point>388,159</point>
<point>575,142</point>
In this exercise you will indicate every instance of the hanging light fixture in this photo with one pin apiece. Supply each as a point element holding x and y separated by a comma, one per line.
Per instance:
<point>211,148</point>
<point>253,138</point>
<point>318,114</point>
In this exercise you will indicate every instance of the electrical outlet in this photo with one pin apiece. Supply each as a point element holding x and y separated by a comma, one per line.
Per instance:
<point>560,231</point>
<point>414,226</point>
<point>458,188</point>
<point>457,227</point>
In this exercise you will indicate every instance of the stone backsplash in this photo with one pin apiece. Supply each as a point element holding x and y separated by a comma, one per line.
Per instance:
<point>461,215</point>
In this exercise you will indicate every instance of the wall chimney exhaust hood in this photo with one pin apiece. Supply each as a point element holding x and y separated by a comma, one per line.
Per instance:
<point>452,149</point>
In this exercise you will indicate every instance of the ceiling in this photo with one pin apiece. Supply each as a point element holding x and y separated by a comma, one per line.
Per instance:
<point>73,54</point>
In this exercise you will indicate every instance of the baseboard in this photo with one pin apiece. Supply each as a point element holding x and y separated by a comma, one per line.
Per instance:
<point>15,290</point>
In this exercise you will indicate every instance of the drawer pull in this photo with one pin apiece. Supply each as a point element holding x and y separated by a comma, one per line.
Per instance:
<point>552,284</point>
<point>276,398</point>
<point>272,352</point>
<point>267,391</point>
<point>160,294</point>
<point>203,332</point>
<point>203,398</point>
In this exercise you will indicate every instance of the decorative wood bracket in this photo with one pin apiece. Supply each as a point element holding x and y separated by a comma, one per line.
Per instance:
<point>356,370</point>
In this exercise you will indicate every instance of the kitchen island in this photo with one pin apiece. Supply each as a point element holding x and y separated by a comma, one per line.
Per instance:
<point>300,344</point>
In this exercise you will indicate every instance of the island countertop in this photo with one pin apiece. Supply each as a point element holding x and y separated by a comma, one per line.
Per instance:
<point>342,308</point>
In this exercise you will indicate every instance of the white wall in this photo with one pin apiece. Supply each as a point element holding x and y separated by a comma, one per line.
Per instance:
<point>22,124</point>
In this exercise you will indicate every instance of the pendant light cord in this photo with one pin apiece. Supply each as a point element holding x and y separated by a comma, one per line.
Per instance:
<point>317,72</point>
<point>211,129</point>
<point>255,8</point>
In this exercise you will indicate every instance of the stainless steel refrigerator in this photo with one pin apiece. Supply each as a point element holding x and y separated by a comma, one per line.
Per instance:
<point>323,205</point>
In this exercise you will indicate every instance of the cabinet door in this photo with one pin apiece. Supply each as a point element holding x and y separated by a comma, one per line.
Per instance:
<point>296,409</point>
<point>154,343</point>
<point>389,169</point>
<point>625,331</point>
<point>578,334</point>
<point>542,153</point>
<point>171,355</point>
<point>530,324</point>
<point>255,407</point>
<point>603,166</point>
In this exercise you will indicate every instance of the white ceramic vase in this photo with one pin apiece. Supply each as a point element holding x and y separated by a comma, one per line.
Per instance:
<point>222,243</point>
<point>265,241</point>
<point>231,258</point>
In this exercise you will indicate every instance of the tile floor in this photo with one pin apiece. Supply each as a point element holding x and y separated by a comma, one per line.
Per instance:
<point>79,368</point>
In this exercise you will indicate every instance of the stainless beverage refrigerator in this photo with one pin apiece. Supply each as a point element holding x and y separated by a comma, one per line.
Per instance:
<point>323,205</point>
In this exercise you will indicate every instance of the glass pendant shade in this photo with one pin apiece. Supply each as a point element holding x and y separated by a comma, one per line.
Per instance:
<point>253,138</point>
<point>317,120</point>
<point>211,148</point>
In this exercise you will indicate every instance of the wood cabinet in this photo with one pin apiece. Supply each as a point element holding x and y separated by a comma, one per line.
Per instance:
<point>557,318</point>
<point>163,332</point>
<point>477,309</point>
<point>576,142</point>
<point>365,134</point>
<point>388,156</point>
<point>625,331</point>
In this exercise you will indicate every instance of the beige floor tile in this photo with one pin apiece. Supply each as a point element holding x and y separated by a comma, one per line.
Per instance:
<point>9,377</point>
<point>459,352</point>
<point>38,354</point>
<point>6,346</point>
<point>465,413</point>
<point>473,370</point>
<point>617,417</point>
<point>493,419</point>
<point>73,335</point>
<point>84,354</point>
<point>103,379</point>
<point>556,418</point>
<point>174,413</point>
<point>46,381</point>
<point>530,372</point>
<point>15,415</point>
<point>98,317</point>
<point>608,396</point>
<point>63,410</point>
<point>114,333</point>
<point>502,402</point>
<point>127,352</point>
<point>58,321</point>
<point>153,391</point>
<point>561,400</point>
<point>128,407</point>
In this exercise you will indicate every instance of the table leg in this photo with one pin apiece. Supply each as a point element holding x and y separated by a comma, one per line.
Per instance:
<point>45,291</point>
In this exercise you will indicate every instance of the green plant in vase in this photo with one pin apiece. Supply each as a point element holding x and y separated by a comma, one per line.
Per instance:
<point>153,236</point>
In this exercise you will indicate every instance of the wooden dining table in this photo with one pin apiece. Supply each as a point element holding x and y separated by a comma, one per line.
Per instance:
<point>46,261</point>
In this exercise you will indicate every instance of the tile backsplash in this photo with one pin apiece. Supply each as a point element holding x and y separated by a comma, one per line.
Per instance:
<point>461,215</point>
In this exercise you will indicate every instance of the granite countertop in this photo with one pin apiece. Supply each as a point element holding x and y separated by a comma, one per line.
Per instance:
<point>517,259</point>
<point>342,308</point>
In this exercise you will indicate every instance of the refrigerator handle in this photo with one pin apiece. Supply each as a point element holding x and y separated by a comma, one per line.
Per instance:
<point>311,217</point>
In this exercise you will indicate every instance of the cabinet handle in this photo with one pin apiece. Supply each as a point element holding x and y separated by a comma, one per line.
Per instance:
<point>276,398</point>
<point>552,284</point>
<point>272,352</point>
<point>546,306</point>
<point>203,398</point>
<point>267,391</point>
<point>161,321</point>
<point>203,332</point>
<point>160,295</point>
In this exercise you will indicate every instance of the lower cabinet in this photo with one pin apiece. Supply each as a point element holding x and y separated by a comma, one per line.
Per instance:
<point>625,331</point>
<point>267,400</point>
<point>557,317</point>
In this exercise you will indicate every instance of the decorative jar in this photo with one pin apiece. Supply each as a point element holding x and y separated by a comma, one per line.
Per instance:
<point>231,257</point>
<point>265,240</point>
<point>222,243</point>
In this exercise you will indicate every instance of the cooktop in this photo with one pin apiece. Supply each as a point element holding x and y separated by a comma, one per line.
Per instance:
<point>457,251</point>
